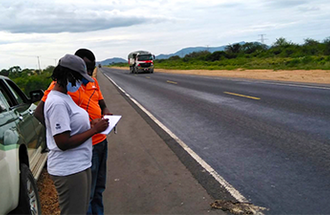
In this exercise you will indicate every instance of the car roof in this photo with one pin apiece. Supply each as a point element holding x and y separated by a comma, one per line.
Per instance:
<point>4,77</point>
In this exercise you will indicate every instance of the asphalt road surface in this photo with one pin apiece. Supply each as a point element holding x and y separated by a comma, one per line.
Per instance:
<point>269,140</point>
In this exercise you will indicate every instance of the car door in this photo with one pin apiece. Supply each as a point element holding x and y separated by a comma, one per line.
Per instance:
<point>9,167</point>
<point>22,110</point>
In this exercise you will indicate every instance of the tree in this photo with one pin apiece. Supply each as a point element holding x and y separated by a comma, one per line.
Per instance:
<point>311,42</point>
<point>281,42</point>
<point>14,72</point>
<point>284,48</point>
<point>249,48</point>
<point>311,47</point>
<point>4,72</point>
<point>215,56</point>
<point>201,55</point>
<point>175,57</point>
<point>326,46</point>
<point>233,49</point>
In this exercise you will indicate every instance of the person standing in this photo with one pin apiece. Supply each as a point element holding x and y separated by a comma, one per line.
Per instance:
<point>93,102</point>
<point>68,133</point>
<point>90,98</point>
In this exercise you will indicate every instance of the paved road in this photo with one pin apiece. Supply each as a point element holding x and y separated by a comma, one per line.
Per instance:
<point>269,140</point>
<point>144,175</point>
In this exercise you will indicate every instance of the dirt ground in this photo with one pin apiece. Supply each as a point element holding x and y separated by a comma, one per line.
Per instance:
<point>46,188</point>
<point>307,76</point>
<point>47,194</point>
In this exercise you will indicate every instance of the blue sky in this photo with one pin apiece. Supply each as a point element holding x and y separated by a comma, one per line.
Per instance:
<point>32,29</point>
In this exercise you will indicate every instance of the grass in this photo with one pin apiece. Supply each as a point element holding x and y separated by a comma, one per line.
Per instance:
<point>272,63</point>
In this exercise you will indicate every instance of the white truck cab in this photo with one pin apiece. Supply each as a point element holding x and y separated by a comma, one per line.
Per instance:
<point>141,61</point>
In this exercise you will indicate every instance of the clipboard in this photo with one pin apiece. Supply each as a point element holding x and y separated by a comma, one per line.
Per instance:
<point>113,120</point>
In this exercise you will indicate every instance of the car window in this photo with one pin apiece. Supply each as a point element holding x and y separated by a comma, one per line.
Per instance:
<point>7,97</point>
<point>17,93</point>
<point>3,102</point>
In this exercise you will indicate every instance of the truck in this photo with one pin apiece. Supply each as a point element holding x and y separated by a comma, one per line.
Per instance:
<point>141,61</point>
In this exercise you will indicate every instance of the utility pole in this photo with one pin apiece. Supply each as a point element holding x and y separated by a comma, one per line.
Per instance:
<point>262,39</point>
<point>39,64</point>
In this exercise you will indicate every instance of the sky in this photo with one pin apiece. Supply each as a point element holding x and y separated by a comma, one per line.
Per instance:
<point>37,33</point>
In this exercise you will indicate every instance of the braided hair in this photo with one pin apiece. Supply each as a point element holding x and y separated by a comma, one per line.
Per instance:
<point>62,75</point>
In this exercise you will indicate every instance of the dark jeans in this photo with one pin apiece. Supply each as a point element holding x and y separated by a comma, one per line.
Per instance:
<point>99,175</point>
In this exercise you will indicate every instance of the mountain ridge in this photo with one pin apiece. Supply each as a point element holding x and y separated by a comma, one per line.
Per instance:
<point>188,50</point>
<point>180,53</point>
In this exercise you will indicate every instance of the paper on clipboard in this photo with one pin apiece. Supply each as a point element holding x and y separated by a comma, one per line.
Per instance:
<point>113,120</point>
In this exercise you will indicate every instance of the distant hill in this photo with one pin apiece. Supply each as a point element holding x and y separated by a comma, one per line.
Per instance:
<point>189,50</point>
<point>111,61</point>
<point>180,53</point>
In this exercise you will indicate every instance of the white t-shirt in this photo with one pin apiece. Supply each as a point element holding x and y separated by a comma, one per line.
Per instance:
<point>62,114</point>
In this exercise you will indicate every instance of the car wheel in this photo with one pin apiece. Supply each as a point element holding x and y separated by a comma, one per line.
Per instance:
<point>29,202</point>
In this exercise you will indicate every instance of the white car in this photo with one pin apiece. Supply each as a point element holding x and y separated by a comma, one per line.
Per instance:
<point>22,150</point>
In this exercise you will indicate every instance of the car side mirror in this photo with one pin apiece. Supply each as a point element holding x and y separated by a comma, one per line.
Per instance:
<point>153,56</point>
<point>36,95</point>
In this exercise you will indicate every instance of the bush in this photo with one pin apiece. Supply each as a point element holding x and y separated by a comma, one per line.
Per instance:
<point>34,81</point>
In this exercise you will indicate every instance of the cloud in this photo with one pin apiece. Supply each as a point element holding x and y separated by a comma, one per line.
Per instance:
<point>32,17</point>
<point>285,3</point>
<point>309,9</point>
<point>51,28</point>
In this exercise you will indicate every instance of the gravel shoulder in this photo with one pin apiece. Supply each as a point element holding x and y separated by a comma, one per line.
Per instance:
<point>304,76</point>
